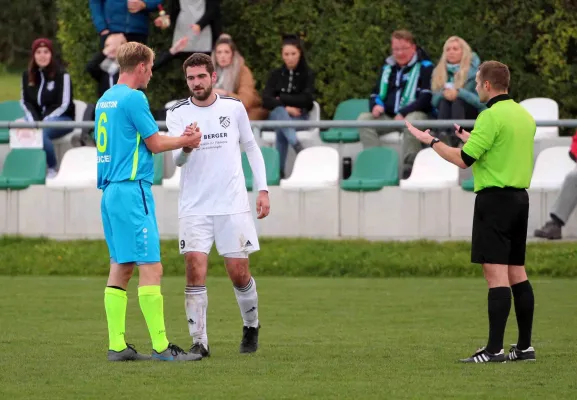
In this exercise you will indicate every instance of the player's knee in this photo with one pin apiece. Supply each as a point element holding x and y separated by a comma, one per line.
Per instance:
<point>196,263</point>
<point>238,270</point>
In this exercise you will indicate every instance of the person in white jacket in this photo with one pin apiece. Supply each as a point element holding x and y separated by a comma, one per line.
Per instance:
<point>213,202</point>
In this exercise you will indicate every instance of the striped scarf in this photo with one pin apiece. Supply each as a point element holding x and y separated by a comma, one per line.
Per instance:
<point>410,90</point>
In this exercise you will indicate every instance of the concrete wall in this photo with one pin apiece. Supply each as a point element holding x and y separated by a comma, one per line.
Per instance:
<point>389,214</point>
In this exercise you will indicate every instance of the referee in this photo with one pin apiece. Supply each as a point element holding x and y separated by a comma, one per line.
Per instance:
<point>500,149</point>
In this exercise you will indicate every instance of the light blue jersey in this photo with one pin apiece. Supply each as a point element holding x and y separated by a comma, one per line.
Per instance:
<point>122,121</point>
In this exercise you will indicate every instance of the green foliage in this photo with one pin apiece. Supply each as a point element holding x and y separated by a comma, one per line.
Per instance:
<point>288,257</point>
<point>22,22</point>
<point>346,42</point>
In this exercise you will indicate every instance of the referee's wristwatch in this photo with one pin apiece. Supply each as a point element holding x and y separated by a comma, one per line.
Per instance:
<point>435,140</point>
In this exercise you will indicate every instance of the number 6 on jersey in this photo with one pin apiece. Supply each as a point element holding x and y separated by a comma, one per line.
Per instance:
<point>102,136</point>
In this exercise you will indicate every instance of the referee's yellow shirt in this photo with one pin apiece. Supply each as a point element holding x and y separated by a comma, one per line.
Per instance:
<point>500,147</point>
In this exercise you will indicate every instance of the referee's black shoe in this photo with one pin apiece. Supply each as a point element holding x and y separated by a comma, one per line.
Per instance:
<point>521,355</point>
<point>483,356</point>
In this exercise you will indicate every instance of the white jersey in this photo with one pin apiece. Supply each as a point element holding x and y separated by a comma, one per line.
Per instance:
<point>212,180</point>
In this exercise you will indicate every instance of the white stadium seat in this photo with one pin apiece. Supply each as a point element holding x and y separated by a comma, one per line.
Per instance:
<point>174,181</point>
<point>309,137</point>
<point>77,170</point>
<point>315,168</point>
<point>430,171</point>
<point>543,109</point>
<point>551,167</point>
<point>79,110</point>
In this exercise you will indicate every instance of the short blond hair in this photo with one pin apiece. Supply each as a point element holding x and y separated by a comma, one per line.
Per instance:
<point>133,53</point>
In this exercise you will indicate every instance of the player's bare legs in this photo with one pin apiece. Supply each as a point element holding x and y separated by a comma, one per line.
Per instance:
<point>524,306</point>
<point>237,267</point>
<point>196,301</point>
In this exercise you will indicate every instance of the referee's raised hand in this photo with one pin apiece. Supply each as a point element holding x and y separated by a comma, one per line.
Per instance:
<point>461,133</point>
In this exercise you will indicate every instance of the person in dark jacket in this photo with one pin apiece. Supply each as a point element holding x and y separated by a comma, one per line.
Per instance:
<point>402,91</point>
<point>289,94</point>
<point>197,20</point>
<point>130,17</point>
<point>47,96</point>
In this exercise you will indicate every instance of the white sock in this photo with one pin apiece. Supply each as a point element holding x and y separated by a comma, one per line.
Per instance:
<point>247,299</point>
<point>195,304</point>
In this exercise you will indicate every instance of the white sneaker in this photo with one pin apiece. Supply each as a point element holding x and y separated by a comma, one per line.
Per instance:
<point>51,173</point>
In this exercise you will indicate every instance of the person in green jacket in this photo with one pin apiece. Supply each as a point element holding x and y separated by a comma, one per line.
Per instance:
<point>453,84</point>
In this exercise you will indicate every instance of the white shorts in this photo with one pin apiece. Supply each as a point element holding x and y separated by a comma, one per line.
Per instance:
<point>233,234</point>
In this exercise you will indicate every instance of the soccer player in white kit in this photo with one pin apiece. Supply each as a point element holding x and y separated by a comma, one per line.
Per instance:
<point>213,200</point>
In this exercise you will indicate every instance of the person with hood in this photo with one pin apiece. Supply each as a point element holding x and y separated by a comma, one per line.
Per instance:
<point>402,92</point>
<point>234,78</point>
<point>289,94</point>
<point>453,84</point>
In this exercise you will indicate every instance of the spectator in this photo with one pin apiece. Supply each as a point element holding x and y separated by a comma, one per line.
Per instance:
<point>129,17</point>
<point>47,96</point>
<point>103,67</point>
<point>288,94</point>
<point>565,203</point>
<point>453,84</point>
<point>234,78</point>
<point>105,70</point>
<point>403,91</point>
<point>197,20</point>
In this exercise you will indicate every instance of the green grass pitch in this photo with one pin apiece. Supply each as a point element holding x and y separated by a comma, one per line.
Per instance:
<point>320,338</point>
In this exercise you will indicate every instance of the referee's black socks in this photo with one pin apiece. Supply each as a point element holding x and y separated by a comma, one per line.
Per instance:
<point>524,307</point>
<point>499,306</point>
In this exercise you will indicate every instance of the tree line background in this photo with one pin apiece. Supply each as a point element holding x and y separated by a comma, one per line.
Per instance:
<point>346,41</point>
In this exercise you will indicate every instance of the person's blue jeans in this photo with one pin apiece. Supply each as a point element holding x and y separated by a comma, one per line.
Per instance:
<point>53,133</point>
<point>285,136</point>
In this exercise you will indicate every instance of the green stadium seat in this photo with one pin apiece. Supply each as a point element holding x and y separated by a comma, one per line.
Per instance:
<point>374,168</point>
<point>22,168</point>
<point>272,165</point>
<point>468,184</point>
<point>348,110</point>
<point>247,171</point>
<point>158,169</point>
<point>9,111</point>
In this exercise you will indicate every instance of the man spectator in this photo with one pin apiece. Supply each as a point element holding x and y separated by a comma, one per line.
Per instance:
<point>403,91</point>
<point>129,17</point>
<point>565,203</point>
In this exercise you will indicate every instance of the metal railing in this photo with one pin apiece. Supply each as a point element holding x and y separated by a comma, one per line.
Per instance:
<point>264,125</point>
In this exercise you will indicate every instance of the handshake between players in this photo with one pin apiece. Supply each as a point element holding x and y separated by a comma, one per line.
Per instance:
<point>193,131</point>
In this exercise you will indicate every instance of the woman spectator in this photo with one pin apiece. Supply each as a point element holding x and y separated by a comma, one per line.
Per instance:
<point>234,78</point>
<point>47,96</point>
<point>289,94</point>
<point>453,83</point>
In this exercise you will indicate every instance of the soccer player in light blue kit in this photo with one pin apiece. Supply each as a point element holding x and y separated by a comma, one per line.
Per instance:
<point>126,137</point>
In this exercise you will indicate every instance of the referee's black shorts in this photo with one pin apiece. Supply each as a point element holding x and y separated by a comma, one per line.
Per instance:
<point>500,226</point>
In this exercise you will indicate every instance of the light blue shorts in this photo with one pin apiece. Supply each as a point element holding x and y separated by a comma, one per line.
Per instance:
<point>129,221</point>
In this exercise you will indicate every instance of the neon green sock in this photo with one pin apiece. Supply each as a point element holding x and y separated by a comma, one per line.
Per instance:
<point>151,304</point>
<point>115,304</point>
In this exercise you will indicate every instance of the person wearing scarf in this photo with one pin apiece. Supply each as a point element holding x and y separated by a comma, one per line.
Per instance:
<point>234,78</point>
<point>453,85</point>
<point>403,91</point>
